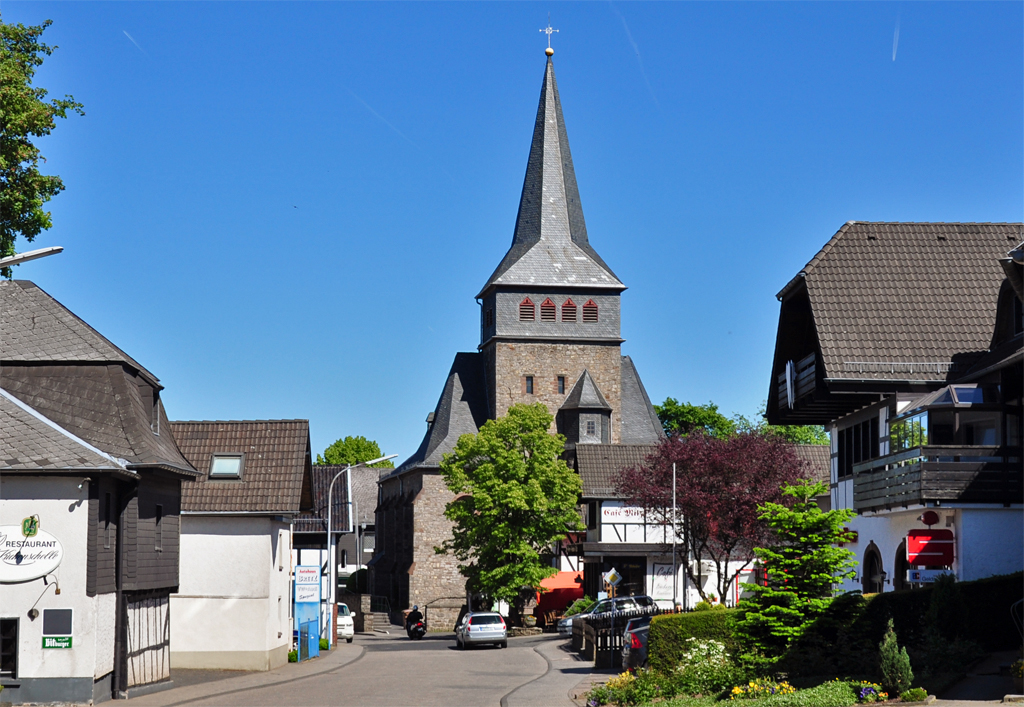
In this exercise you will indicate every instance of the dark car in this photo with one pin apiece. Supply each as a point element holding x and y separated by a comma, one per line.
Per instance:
<point>634,647</point>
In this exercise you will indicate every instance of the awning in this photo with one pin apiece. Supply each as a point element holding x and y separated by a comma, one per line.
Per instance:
<point>563,580</point>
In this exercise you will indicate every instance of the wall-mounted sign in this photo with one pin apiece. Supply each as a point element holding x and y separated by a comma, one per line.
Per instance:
<point>307,574</point>
<point>932,548</point>
<point>618,512</point>
<point>925,576</point>
<point>56,641</point>
<point>23,559</point>
<point>30,526</point>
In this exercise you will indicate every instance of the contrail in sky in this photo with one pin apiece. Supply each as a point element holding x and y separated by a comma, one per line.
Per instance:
<point>639,59</point>
<point>896,38</point>
<point>134,42</point>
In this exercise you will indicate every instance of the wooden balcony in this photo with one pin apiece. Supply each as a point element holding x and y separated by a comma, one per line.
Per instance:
<point>940,474</point>
<point>803,381</point>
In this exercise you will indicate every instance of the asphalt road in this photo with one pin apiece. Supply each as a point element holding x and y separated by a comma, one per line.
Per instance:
<point>392,670</point>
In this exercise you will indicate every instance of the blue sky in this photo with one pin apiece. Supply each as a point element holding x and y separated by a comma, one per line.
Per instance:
<point>284,210</point>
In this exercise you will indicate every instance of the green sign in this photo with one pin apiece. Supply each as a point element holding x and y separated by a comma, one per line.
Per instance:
<point>30,526</point>
<point>56,641</point>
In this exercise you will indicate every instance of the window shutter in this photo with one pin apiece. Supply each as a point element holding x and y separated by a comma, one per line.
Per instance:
<point>547,311</point>
<point>527,311</point>
<point>568,311</point>
<point>590,311</point>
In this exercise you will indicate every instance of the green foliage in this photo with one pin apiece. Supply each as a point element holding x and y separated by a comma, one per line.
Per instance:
<point>25,114</point>
<point>797,434</point>
<point>353,450</point>
<point>702,606</point>
<point>760,688</point>
<point>870,692</point>
<point>803,564</point>
<point>324,645</point>
<point>837,693</point>
<point>684,418</point>
<point>356,582</point>
<point>515,496</point>
<point>293,656</point>
<point>915,694</point>
<point>627,689</point>
<point>580,605</point>
<point>894,663</point>
<point>669,634</point>
<point>947,610</point>
<point>705,667</point>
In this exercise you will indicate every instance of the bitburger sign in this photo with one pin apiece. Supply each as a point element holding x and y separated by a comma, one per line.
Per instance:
<point>26,558</point>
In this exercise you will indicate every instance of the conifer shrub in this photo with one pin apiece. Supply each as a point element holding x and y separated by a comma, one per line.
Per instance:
<point>895,664</point>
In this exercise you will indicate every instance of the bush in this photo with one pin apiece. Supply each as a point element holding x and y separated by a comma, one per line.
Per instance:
<point>830,694</point>
<point>324,645</point>
<point>579,606</point>
<point>702,605</point>
<point>704,668</point>
<point>895,664</point>
<point>946,609</point>
<point>763,687</point>
<point>626,689</point>
<point>293,656</point>
<point>669,633</point>
<point>356,582</point>
<point>914,695</point>
<point>869,692</point>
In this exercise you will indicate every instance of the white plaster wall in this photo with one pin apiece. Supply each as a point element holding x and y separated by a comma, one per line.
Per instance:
<point>234,588</point>
<point>992,542</point>
<point>106,620</point>
<point>63,512</point>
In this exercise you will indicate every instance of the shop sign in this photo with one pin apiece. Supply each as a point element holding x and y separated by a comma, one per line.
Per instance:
<point>27,558</point>
<point>932,548</point>
<point>307,584</point>
<point>56,641</point>
<point>925,576</point>
<point>617,512</point>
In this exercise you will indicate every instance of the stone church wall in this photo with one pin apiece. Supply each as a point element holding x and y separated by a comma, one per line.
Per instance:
<point>435,583</point>
<point>545,362</point>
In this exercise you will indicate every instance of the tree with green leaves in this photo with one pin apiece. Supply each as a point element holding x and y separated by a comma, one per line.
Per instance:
<point>515,497</point>
<point>25,114</point>
<point>353,450</point>
<point>683,418</point>
<point>803,564</point>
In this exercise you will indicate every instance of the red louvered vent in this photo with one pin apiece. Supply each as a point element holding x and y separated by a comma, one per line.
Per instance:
<point>548,311</point>
<point>527,310</point>
<point>590,311</point>
<point>568,311</point>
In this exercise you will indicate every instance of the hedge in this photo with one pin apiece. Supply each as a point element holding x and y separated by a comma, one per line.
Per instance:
<point>669,632</point>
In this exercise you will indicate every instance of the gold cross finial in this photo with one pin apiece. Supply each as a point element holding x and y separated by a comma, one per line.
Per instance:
<point>549,31</point>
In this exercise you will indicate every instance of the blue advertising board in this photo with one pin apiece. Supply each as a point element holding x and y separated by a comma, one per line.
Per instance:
<point>307,610</point>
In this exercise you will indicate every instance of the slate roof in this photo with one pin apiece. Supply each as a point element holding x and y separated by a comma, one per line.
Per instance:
<point>638,422</point>
<point>599,465</point>
<point>585,395</point>
<point>462,409</point>
<point>889,297</point>
<point>275,471</point>
<point>364,493</point>
<point>30,442</point>
<point>817,459</point>
<point>35,327</point>
<point>550,246</point>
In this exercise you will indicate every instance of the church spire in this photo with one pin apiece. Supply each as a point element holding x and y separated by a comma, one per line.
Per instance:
<point>550,244</point>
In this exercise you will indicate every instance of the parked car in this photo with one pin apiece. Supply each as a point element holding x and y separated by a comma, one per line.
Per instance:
<point>636,603</point>
<point>481,627</point>
<point>634,647</point>
<point>346,627</point>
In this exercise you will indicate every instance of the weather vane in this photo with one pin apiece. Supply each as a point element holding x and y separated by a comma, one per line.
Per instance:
<point>548,31</point>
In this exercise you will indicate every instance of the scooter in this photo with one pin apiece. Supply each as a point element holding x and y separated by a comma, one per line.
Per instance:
<point>417,630</point>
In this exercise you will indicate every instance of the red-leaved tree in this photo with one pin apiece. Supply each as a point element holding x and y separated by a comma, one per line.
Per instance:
<point>719,485</point>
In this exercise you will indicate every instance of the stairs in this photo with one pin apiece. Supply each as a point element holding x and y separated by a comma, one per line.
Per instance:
<point>380,621</point>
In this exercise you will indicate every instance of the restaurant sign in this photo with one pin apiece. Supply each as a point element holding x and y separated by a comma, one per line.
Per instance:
<point>26,558</point>
<point>56,641</point>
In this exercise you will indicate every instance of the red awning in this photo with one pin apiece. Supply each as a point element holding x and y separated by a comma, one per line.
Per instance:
<point>563,580</point>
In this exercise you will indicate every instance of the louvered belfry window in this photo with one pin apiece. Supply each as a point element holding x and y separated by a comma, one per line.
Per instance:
<point>590,311</point>
<point>527,310</point>
<point>547,311</point>
<point>568,311</point>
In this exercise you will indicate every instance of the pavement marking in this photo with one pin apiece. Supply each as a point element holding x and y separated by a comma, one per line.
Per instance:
<point>504,699</point>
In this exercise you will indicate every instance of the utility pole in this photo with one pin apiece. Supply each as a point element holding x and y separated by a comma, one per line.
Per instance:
<point>675,568</point>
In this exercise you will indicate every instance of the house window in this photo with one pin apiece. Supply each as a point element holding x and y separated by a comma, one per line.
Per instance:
<point>527,311</point>
<point>344,558</point>
<point>591,427</point>
<point>529,385</point>
<point>226,466</point>
<point>489,317</point>
<point>159,528</point>
<point>107,525</point>
<point>548,310</point>
<point>8,648</point>
<point>590,311</point>
<point>857,443</point>
<point>561,385</point>
<point>568,311</point>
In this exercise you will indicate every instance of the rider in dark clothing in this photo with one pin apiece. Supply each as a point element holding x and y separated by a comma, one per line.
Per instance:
<point>413,618</point>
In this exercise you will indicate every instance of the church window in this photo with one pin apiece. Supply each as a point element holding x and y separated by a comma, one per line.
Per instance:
<point>527,312</point>
<point>591,427</point>
<point>561,385</point>
<point>590,311</point>
<point>568,311</point>
<point>547,311</point>
<point>529,385</point>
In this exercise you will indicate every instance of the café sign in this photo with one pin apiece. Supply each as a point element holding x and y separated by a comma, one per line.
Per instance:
<point>26,558</point>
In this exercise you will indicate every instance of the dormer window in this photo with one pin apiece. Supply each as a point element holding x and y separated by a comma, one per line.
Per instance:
<point>226,466</point>
<point>568,311</point>
<point>590,311</point>
<point>527,310</point>
<point>548,311</point>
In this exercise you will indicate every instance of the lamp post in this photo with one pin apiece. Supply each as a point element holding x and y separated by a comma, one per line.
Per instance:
<point>332,558</point>
<point>29,255</point>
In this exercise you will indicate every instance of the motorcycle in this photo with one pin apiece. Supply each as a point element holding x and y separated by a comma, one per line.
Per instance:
<point>417,630</point>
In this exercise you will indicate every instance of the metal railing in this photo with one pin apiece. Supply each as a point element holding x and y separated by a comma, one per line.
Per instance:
<point>380,605</point>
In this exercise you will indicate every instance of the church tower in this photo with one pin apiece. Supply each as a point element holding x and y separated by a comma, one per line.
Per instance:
<point>550,311</point>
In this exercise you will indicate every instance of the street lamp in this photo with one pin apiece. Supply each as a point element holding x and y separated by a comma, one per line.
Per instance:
<point>30,255</point>
<point>332,559</point>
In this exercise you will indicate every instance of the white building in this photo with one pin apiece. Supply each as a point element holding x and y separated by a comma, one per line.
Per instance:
<point>904,339</point>
<point>232,610</point>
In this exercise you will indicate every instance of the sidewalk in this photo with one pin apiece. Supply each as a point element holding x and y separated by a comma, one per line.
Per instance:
<point>983,684</point>
<point>568,676</point>
<point>201,687</point>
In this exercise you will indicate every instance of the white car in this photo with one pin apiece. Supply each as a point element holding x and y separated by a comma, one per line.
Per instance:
<point>346,627</point>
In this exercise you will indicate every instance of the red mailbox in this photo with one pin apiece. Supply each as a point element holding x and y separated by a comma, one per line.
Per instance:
<point>931,548</point>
